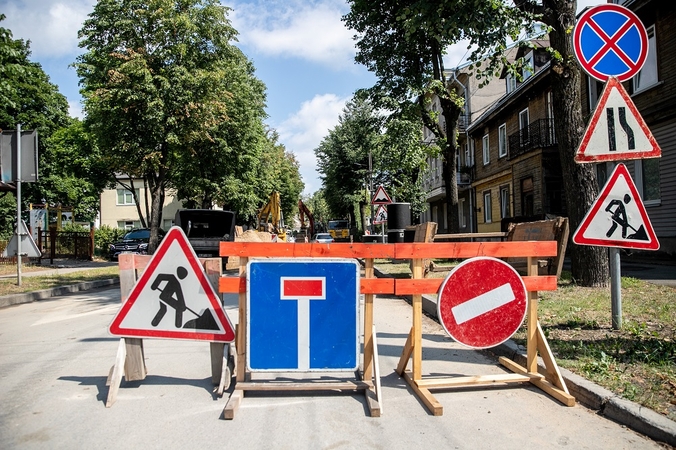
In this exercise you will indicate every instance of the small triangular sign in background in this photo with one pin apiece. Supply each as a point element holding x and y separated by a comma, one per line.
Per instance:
<point>381,215</point>
<point>616,131</point>
<point>617,218</point>
<point>28,246</point>
<point>381,197</point>
<point>173,298</point>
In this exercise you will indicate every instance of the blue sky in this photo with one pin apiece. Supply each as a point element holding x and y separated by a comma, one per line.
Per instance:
<point>300,48</point>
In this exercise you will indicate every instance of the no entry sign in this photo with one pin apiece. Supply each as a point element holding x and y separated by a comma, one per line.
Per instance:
<point>610,41</point>
<point>482,302</point>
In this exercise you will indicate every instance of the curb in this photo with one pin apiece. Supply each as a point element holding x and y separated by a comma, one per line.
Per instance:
<point>28,297</point>
<point>625,412</point>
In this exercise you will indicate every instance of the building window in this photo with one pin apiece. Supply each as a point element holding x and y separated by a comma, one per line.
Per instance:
<point>523,125</point>
<point>486,150</point>
<point>595,88</point>
<point>488,207</point>
<point>648,75</point>
<point>511,82</point>
<point>528,66</point>
<point>469,153</point>
<point>125,197</point>
<point>462,218</point>
<point>128,224</point>
<point>647,175</point>
<point>504,202</point>
<point>502,140</point>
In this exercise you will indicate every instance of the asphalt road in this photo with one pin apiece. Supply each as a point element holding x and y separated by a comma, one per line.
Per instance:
<point>55,356</point>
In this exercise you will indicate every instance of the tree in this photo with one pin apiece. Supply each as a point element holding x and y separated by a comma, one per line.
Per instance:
<point>366,149</point>
<point>589,264</point>
<point>154,80</point>
<point>343,158</point>
<point>404,43</point>
<point>72,171</point>
<point>27,97</point>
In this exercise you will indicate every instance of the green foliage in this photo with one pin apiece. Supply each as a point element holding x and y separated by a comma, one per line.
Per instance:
<point>169,98</point>
<point>73,172</point>
<point>104,236</point>
<point>7,215</point>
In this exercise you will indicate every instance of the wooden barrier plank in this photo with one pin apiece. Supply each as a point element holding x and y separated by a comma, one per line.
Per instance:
<point>301,250</point>
<point>303,385</point>
<point>462,250</point>
<point>409,286</point>
<point>474,380</point>
<point>236,285</point>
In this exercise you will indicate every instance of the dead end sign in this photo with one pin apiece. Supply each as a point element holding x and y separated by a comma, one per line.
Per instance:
<point>482,302</point>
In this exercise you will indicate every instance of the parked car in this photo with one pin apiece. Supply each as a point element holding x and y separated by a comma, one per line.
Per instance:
<point>135,241</point>
<point>323,238</point>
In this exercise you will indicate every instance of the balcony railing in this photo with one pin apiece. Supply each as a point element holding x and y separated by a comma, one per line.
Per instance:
<point>539,134</point>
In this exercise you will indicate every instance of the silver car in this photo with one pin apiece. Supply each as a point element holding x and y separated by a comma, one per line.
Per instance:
<point>323,238</point>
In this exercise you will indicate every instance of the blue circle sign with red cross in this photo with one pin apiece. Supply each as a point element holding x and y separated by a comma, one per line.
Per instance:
<point>610,41</point>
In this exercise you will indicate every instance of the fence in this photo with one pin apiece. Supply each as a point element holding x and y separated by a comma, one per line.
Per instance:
<point>66,244</point>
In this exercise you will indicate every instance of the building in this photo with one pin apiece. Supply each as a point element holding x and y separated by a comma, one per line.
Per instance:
<point>118,210</point>
<point>477,100</point>
<point>517,175</point>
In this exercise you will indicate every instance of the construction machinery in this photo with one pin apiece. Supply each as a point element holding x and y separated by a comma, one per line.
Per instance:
<point>339,229</point>
<point>305,231</point>
<point>271,219</point>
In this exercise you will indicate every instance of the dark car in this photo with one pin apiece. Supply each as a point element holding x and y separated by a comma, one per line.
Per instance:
<point>135,241</point>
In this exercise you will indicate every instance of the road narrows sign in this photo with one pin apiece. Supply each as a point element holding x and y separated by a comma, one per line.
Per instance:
<point>617,217</point>
<point>302,315</point>
<point>381,197</point>
<point>610,40</point>
<point>482,302</point>
<point>174,278</point>
<point>616,131</point>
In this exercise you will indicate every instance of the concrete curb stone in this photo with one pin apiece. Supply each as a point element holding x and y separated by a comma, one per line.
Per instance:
<point>28,297</point>
<point>625,412</point>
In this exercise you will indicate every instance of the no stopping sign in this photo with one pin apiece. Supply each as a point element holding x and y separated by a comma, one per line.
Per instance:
<point>482,302</point>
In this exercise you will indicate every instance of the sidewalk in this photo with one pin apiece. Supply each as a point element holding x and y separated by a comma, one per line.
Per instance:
<point>58,267</point>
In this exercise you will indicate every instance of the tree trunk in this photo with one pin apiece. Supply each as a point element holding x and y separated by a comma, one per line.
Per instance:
<point>589,264</point>
<point>449,166</point>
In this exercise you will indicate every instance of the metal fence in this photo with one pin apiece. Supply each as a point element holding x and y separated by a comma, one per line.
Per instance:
<point>66,244</point>
<point>539,134</point>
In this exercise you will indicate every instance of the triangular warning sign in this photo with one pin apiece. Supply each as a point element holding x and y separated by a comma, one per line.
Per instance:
<point>617,218</point>
<point>616,131</point>
<point>381,197</point>
<point>173,298</point>
<point>381,215</point>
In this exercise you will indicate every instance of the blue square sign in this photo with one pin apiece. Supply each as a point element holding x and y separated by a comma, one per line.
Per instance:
<point>303,315</point>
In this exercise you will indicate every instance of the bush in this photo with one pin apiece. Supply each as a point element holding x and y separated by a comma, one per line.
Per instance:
<point>105,236</point>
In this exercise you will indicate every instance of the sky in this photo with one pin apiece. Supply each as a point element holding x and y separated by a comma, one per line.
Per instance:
<point>300,48</point>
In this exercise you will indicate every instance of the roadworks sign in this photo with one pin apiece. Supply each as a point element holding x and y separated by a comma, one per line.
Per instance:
<point>173,298</point>
<point>617,218</point>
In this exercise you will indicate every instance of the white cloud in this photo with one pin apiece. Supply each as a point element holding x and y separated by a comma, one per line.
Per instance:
<point>304,130</point>
<point>75,109</point>
<point>50,25</point>
<point>309,31</point>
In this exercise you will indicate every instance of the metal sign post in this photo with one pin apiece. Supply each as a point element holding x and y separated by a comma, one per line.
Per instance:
<point>18,204</point>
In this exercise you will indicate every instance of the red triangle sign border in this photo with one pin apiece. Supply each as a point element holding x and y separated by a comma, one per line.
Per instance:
<point>174,234</point>
<point>380,192</point>
<point>581,157</point>
<point>578,236</point>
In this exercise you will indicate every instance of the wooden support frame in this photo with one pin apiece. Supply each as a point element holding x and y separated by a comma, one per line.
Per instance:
<point>130,358</point>
<point>551,382</point>
<point>370,369</point>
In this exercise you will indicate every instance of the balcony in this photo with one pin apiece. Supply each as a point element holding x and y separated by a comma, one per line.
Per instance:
<point>539,134</point>
<point>463,122</point>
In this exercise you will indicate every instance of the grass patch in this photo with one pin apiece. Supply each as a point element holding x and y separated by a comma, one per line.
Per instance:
<point>637,362</point>
<point>36,283</point>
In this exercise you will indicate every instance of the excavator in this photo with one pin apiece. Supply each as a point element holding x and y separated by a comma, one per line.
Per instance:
<point>302,212</point>
<point>272,212</point>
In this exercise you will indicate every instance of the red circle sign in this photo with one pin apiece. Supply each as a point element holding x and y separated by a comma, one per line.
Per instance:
<point>610,41</point>
<point>482,302</point>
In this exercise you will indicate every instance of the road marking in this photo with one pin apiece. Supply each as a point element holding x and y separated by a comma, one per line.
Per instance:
<point>483,303</point>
